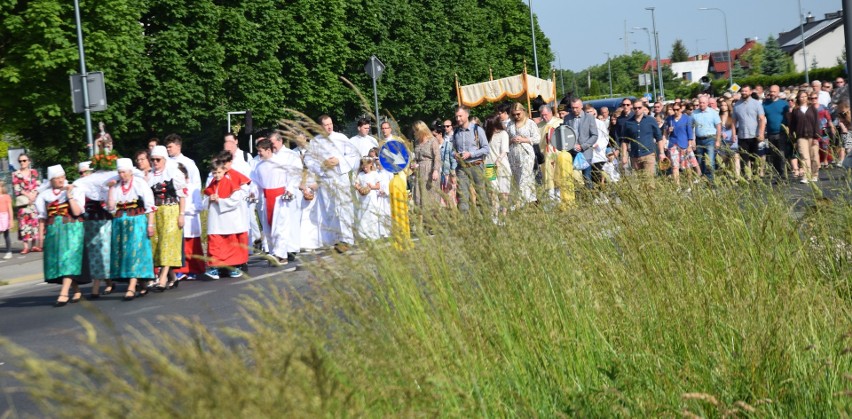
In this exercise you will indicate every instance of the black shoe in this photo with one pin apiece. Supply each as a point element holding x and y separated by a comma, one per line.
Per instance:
<point>76,298</point>
<point>61,303</point>
<point>291,257</point>
<point>94,296</point>
<point>129,297</point>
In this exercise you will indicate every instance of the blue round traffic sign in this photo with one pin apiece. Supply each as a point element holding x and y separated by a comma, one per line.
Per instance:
<point>393,156</point>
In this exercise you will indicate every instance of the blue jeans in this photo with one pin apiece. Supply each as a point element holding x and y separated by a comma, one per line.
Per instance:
<point>706,154</point>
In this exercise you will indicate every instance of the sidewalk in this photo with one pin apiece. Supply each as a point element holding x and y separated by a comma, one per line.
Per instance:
<point>20,268</point>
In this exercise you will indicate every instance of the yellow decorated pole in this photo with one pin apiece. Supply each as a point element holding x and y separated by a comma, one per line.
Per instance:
<point>400,227</point>
<point>565,178</point>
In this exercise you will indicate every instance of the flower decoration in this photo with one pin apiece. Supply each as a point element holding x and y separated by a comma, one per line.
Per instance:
<point>105,160</point>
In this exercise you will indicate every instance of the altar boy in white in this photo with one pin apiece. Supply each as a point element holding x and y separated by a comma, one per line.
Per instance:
<point>333,158</point>
<point>277,177</point>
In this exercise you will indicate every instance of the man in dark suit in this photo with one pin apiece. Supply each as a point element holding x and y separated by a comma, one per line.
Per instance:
<point>587,134</point>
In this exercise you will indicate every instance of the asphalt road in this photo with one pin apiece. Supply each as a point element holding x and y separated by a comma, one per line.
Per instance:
<point>28,319</point>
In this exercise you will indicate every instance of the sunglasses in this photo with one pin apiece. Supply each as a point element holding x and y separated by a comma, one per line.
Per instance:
<point>157,159</point>
<point>626,104</point>
<point>517,114</point>
<point>448,126</point>
<point>23,161</point>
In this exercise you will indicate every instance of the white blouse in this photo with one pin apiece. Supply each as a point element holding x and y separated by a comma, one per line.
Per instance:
<point>49,195</point>
<point>125,194</point>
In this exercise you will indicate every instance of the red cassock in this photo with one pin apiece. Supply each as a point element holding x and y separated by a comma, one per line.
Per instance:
<point>227,249</point>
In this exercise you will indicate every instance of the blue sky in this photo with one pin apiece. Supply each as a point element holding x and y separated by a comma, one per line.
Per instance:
<point>582,31</point>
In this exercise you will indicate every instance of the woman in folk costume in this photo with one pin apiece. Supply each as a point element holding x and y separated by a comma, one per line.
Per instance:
<point>60,227</point>
<point>332,158</point>
<point>97,225</point>
<point>278,177</point>
<point>368,184</point>
<point>227,221</point>
<point>131,201</point>
<point>193,251</point>
<point>169,188</point>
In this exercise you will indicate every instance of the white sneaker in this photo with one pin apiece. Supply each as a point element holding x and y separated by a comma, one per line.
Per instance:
<point>8,255</point>
<point>804,180</point>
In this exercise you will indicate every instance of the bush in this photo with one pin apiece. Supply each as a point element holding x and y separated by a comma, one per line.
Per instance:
<point>716,303</point>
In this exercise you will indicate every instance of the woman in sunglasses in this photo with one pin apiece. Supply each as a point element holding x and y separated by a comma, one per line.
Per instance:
<point>169,187</point>
<point>25,182</point>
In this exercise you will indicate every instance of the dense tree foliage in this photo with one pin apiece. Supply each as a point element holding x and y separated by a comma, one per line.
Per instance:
<point>180,66</point>
<point>775,61</point>
<point>679,52</point>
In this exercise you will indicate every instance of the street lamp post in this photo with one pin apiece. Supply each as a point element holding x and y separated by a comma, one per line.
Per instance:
<point>650,54</point>
<point>609,68</point>
<point>532,29</point>
<point>802,30</point>
<point>727,44</point>
<point>657,46</point>
<point>87,109</point>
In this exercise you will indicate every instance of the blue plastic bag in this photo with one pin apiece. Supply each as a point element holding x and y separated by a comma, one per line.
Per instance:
<point>580,162</point>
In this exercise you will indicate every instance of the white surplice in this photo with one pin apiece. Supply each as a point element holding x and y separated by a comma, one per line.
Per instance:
<point>283,170</point>
<point>335,200</point>
<point>228,215</point>
<point>368,218</point>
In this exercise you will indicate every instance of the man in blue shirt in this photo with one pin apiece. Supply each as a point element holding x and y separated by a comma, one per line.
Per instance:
<point>471,147</point>
<point>641,135</point>
<point>708,135</point>
<point>781,149</point>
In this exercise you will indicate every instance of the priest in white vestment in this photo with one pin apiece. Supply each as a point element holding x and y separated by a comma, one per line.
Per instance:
<point>333,159</point>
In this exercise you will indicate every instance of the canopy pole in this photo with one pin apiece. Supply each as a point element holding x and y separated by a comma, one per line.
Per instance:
<point>527,90</point>
<point>458,90</point>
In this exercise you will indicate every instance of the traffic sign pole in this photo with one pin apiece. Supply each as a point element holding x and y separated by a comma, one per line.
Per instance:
<point>374,69</point>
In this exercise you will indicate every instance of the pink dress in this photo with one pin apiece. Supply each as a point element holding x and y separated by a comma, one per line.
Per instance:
<point>5,217</point>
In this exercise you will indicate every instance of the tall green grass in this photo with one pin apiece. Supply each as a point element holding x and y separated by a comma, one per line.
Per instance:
<point>718,302</point>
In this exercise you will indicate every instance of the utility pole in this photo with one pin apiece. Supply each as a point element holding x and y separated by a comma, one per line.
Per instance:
<point>609,67</point>
<point>847,31</point>
<point>532,29</point>
<point>85,82</point>
<point>650,54</point>
<point>802,30</point>
<point>626,52</point>
<point>657,46</point>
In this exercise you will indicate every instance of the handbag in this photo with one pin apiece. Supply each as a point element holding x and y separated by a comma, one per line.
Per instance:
<point>580,162</point>
<point>539,156</point>
<point>22,201</point>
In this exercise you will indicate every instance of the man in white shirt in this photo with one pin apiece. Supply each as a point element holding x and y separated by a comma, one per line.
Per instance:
<point>824,97</point>
<point>364,142</point>
<point>173,147</point>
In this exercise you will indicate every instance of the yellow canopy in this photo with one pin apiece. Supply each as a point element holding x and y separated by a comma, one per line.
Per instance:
<point>513,87</point>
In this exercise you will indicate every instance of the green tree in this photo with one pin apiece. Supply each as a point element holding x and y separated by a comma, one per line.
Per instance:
<point>738,72</point>
<point>38,52</point>
<point>180,66</point>
<point>679,52</point>
<point>775,60</point>
<point>754,57</point>
<point>841,60</point>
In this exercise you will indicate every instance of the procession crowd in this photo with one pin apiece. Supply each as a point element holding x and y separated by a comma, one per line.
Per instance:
<point>138,221</point>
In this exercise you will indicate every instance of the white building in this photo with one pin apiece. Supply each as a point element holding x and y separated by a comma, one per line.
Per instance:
<point>691,71</point>
<point>824,41</point>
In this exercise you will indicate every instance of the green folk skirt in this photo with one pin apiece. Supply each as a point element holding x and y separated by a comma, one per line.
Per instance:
<point>63,249</point>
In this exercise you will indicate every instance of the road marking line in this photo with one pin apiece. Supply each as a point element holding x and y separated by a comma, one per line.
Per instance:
<point>197,294</point>
<point>24,278</point>
<point>141,310</point>
<point>256,278</point>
